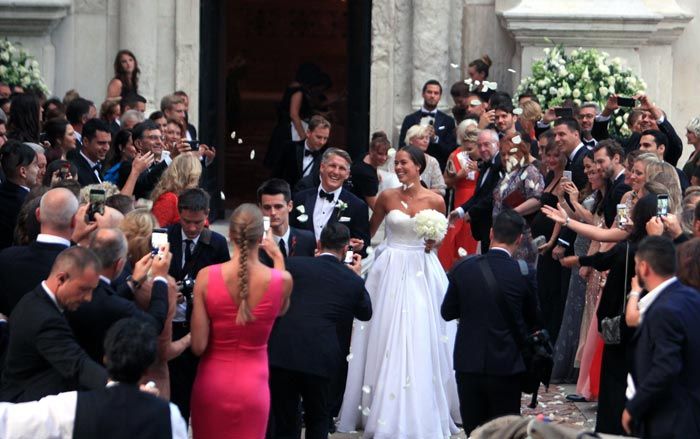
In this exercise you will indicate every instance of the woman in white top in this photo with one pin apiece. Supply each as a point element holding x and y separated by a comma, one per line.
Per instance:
<point>419,136</point>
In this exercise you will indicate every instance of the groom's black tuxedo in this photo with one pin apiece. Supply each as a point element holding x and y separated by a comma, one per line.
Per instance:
<point>444,126</point>
<point>356,211</point>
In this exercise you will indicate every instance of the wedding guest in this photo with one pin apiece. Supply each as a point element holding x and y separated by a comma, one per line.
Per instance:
<point>43,357</point>
<point>478,70</point>
<point>419,136</point>
<point>183,174</point>
<point>160,120</point>
<point>692,135</point>
<point>90,159</point>
<point>310,331</point>
<point>173,107</point>
<point>123,203</point>
<point>121,150</point>
<point>110,112</point>
<point>148,146</point>
<point>24,122</point>
<point>126,75</point>
<point>504,120</point>
<point>303,158</point>
<point>654,141</point>
<point>191,131</point>
<point>364,174</point>
<point>40,163</point>
<point>609,157</point>
<point>275,202</point>
<point>130,118</point>
<point>78,113</point>
<point>593,129</point>
<point>3,137</point>
<point>61,137</point>
<point>20,166</point>
<point>441,126</point>
<point>330,202</point>
<point>235,305</point>
<point>460,95</point>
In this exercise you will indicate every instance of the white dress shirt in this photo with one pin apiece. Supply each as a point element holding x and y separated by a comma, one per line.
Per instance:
<point>323,210</point>
<point>52,296</point>
<point>52,239</point>
<point>181,308</point>
<point>92,165</point>
<point>307,162</point>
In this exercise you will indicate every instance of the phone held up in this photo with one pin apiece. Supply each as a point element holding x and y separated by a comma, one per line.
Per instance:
<point>626,102</point>
<point>96,205</point>
<point>159,237</point>
<point>662,205</point>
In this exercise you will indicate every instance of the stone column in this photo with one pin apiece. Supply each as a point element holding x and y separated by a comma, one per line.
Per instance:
<point>431,42</point>
<point>187,53</point>
<point>138,32</point>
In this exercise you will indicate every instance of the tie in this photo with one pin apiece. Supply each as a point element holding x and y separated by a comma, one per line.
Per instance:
<point>283,249</point>
<point>428,113</point>
<point>308,152</point>
<point>188,251</point>
<point>97,168</point>
<point>328,196</point>
<point>589,143</point>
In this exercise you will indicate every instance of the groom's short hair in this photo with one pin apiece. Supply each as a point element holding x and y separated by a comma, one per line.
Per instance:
<point>335,237</point>
<point>508,226</point>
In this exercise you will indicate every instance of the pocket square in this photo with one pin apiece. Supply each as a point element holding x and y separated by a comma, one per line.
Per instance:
<point>344,219</point>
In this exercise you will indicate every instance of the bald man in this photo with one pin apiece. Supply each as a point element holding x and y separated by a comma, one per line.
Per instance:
<point>24,267</point>
<point>111,219</point>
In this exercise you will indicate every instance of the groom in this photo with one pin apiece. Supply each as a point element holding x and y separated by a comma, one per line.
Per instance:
<point>331,203</point>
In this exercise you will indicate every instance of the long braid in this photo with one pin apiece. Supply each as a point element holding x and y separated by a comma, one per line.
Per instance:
<point>244,314</point>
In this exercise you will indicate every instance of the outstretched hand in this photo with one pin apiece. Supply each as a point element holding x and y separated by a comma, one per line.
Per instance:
<point>557,215</point>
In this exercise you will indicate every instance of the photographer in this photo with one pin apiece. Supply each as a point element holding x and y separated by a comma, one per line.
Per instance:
<point>193,247</point>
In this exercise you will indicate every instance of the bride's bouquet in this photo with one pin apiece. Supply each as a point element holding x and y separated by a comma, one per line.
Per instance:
<point>431,225</point>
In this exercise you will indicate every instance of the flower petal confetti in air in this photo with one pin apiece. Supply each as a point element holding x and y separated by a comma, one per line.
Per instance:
<point>391,152</point>
<point>252,154</point>
<point>349,357</point>
<point>523,176</point>
<point>369,250</point>
<point>516,140</point>
<point>223,197</point>
<point>301,208</point>
<point>344,219</point>
<point>454,66</point>
<point>477,82</point>
<point>474,102</point>
<point>365,411</point>
<point>381,422</point>
<point>240,141</point>
<point>531,184</point>
<point>517,111</point>
<point>513,150</point>
<point>366,389</point>
<point>408,382</point>
<point>359,407</point>
<point>462,252</point>
<point>493,85</point>
<point>303,218</point>
<point>233,134</point>
<point>511,70</point>
<point>362,327</point>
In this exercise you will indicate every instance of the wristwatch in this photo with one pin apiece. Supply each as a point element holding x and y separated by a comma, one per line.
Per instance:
<point>566,221</point>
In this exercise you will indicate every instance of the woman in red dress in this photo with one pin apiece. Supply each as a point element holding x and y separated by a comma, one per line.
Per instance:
<point>235,306</point>
<point>183,173</point>
<point>461,174</point>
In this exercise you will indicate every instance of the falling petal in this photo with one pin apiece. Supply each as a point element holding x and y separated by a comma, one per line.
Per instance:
<point>240,141</point>
<point>493,85</point>
<point>516,140</point>
<point>349,357</point>
<point>474,102</point>
<point>462,252</point>
<point>511,70</point>
<point>391,152</point>
<point>454,66</point>
<point>301,208</point>
<point>365,411</point>
<point>468,81</point>
<point>517,111</point>
<point>381,422</point>
<point>303,218</point>
<point>233,134</point>
<point>513,150</point>
<point>252,154</point>
<point>223,197</point>
<point>477,82</point>
<point>531,184</point>
<point>369,250</point>
<point>362,327</point>
<point>359,407</point>
<point>523,176</point>
<point>366,389</point>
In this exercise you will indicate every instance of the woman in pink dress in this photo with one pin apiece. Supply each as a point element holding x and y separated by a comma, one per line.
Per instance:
<point>235,306</point>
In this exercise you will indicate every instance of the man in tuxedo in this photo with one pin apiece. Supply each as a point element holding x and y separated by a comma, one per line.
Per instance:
<point>654,141</point>
<point>147,138</point>
<point>20,165</point>
<point>191,130</point>
<point>442,140</point>
<point>609,156</point>
<point>478,210</point>
<point>593,128</point>
<point>303,158</point>
<point>487,360</point>
<point>43,357</point>
<point>130,347</point>
<point>667,349</point>
<point>24,267</point>
<point>305,351</point>
<point>193,247</point>
<point>91,320</point>
<point>133,101</point>
<point>330,202</point>
<point>90,159</point>
<point>275,201</point>
<point>78,113</point>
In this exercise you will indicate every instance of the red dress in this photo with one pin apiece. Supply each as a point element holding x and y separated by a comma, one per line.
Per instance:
<point>231,396</point>
<point>165,209</point>
<point>461,234</point>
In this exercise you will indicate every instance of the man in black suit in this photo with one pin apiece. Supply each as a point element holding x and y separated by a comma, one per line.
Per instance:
<point>303,158</point>
<point>20,165</point>
<point>330,202</point>
<point>305,352</point>
<point>147,138</point>
<point>667,349</point>
<point>78,113</point>
<point>442,140</point>
<point>609,157</point>
<point>43,357</point>
<point>91,320</point>
<point>90,159</point>
<point>275,201</point>
<point>24,267</point>
<point>487,360</point>
<point>593,128</point>
<point>654,141</point>
<point>130,347</point>
<point>478,210</point>
<point>193,247</point>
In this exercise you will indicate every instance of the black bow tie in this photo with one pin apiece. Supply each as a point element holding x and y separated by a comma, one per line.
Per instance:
<point>97,167</point>
<point>428,113</point>
<point>308,152</point>
<point>589,143</point>
<point>327,195</point>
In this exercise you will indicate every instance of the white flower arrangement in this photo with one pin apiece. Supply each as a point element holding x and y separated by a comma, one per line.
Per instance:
<point>583,75</point>
<point>430,225</point>
<point>17,67</point>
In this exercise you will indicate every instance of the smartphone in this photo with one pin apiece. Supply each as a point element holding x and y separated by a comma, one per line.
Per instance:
<point>348,256</point>
<point>159,237</point>
<point>539,241</point>
<point>622,217</point>
<point>194,144</point>
<point>626,102</point>
<point>564,112</point>
<point>97,204</point>
<point>567,175</point>
<point>64,171</point>
<point>266,224</point>
<point>662,205</point>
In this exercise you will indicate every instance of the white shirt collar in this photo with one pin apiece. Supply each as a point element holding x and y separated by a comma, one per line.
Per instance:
<point>52,239</point>
<point>336,193</point>
<point>423,109</point>
<point>646,301</point>
<point>329,254</point>
<point>51,295</point>
<point>107,280</point>
<point>573,153</point>
<point>194,240</point>
<point>78,136</point>
<point>502,249</point>
<point>90,162</point>
<point>285,236</point>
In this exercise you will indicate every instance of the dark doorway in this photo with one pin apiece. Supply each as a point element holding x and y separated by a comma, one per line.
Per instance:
<point>250,52</point>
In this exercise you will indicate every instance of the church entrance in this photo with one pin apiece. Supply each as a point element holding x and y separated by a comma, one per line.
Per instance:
<point>250,51</point>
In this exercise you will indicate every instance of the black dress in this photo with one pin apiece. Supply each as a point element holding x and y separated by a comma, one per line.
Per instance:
<point>363,180</point>
<point>282,133</point>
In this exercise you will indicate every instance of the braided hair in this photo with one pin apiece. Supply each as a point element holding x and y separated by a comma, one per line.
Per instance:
<point>246,228</point>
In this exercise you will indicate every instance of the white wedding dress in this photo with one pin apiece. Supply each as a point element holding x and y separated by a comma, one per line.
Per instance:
<point>400,382</point>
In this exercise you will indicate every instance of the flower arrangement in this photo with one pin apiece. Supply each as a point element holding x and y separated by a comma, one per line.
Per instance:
<point>430,225</point>
<point>17,67</point>
<point>583,75</point>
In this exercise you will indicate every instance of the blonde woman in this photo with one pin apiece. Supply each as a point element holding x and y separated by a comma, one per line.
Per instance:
<point>419,136</point>
<point>183,173</point>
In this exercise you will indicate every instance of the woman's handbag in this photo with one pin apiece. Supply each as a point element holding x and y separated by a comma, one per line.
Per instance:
<point>611,326</point>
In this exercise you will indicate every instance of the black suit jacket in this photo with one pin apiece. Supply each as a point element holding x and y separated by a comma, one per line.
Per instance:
<point>612,198</point>
<point>666,363</point>
<point>357,211</point>
<point>43,356</point>
<point>673,150</point>
<point>480,205</point>
<point>291,166</point>
<point>578,175</point>
<point>86,175</point>
<point>301,243</point>
<point>211,249</point>
<point>445,130</point>
<point>24,267</point>
<point>12,197</point>
<point>91,320</point>
<point>485,343</point>
<point>146,181</point>
<point>326,294</point>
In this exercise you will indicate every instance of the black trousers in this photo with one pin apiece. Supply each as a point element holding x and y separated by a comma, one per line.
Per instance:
<point>485,397</point>
<point>286,389</point>
<point>183,370</point>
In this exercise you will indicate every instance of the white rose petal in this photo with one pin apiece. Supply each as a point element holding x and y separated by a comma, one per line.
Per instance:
<point>233,134</point>
<point>301,208</point>
<point>365,411</point>
<point>516,140</point>
<point>511,70</point>
<point>493,85</point>
<point>366,389</point>
<point>531,184</point>
<point>405,206</point>
<point>391,152</point>
<point>369,250</point>
<point>474,102</point>
<point>517,111</point>
<point>349,357</point>
<point>477,82</point>
<point>419,274</point>
<point>513,150</point>
<point>523,176</point>
<point>444,338</point>
<point>462,252</point>
<point>344,219</point>
<point>454,66</point>
<point>303,218</point>
<point>222,196</point>
<point>240,141</point>
<point>252,154</point>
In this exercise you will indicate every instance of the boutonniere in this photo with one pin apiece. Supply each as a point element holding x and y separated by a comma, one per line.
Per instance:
<point>341,206</point>
<point>292,245</point>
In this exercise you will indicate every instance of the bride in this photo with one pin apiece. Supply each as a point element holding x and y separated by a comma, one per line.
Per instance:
<point>400,380</point>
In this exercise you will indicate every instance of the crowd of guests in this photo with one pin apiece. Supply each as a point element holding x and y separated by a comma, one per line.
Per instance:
<point>111,277</point>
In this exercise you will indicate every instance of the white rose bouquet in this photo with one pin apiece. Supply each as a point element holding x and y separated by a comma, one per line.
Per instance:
<point>430,225</point>
<point>17,67</point>
<point>582,75</point>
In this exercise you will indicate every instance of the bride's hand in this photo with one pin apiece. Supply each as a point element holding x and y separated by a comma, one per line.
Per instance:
<point>430,244</point>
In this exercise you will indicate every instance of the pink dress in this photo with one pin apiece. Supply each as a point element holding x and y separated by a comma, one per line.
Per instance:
<point>231,396</point>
